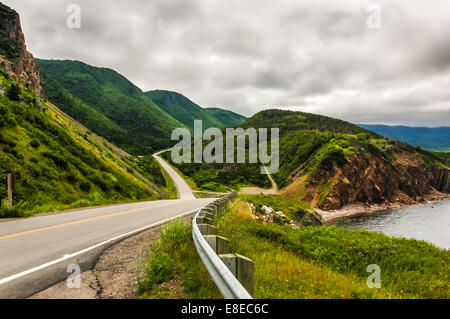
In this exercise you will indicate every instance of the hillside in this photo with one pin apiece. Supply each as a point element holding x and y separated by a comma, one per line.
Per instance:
<point>92,94</point>
<point>58,163</point>
<point>432,138</point>
<point>227,118</point>
<point>186,111</point>
<point>331,164</point>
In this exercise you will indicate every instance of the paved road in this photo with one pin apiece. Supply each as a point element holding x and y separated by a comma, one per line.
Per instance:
<point>184,191</point>
<point>35,252</point>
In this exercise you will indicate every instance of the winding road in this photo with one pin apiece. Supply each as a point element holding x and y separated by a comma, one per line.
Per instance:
<point>35,252</point>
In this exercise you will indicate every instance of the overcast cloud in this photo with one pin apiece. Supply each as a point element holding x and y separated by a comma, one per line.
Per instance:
<point>249,55</point>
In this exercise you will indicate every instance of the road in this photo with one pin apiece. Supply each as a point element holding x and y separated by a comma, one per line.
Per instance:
<point>184,191</point>
<point>35,252</point>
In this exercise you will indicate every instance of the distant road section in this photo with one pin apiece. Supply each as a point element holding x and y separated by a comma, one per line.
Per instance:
<point>184,191</point>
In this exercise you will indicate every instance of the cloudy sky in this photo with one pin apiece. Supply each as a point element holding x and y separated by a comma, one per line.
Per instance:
<point>249,55</point>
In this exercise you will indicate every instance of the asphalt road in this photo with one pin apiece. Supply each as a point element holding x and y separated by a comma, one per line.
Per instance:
<point>184,191</point>
<point>35,252</point>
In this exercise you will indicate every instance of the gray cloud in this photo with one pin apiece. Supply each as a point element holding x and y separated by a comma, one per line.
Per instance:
<point>246,56</point>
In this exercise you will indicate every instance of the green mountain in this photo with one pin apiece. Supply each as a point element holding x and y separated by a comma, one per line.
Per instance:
<point>58,163</point>
<point>108,104</point>
<point>227,118</point>
<point>331,163</point>
<point>186,111</point>
<point>432,138</point>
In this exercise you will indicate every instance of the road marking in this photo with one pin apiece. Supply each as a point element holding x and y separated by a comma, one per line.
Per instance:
<point>77,222</point>
<point>56,261</point>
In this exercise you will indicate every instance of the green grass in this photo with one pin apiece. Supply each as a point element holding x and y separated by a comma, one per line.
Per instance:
<point>172,257</point>
<point>57,164</point>
<point>331,262</point>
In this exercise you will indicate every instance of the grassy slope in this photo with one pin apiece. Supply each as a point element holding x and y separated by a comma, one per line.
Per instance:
<point>306,263</point>
<point>330,262</point>
<point>135,123</point>
<point>58,164</point>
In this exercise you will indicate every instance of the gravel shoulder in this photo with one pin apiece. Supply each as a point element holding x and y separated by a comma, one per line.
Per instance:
<point>115,273</point>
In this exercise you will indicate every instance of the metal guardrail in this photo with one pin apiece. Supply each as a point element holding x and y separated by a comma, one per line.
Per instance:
<point>225,281</point>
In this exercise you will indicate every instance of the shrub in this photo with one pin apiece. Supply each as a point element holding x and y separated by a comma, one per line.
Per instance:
<point>35,144</point>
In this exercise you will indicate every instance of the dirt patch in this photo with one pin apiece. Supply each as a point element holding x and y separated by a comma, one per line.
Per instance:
<point>115,273</point>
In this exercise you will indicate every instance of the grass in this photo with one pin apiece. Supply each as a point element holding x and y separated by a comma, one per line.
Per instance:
<point>331,262</point>
<point>307,263</point>
<point>58,164</point>
<point>173,258</point>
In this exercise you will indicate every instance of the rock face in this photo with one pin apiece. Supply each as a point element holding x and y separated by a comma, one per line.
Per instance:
<point>14,57</point>
<point>369,180</point>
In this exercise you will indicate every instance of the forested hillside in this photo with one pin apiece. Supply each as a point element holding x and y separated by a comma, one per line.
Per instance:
<point>186,111</point>
<point>331,163</point>
<point>109,104</point>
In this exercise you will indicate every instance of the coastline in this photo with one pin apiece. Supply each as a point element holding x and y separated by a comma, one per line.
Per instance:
<point>360,209</point>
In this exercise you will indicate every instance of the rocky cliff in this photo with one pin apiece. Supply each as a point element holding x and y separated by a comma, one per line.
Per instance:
<point>14,57</point>
<point>367,180</point>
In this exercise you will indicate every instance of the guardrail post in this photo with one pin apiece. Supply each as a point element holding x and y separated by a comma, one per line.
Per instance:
<point>220,245</point>
<point>242,268</point>
<point>205,220</point>
<point>206,229</point>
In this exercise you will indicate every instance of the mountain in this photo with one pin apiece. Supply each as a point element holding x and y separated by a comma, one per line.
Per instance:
<point>225,117</point>
<point>14,57</point>
<point>426,137</point>
<point>58,163</point>
<point>186,111</point>
<point>108,104</point>
<point>331,164</point>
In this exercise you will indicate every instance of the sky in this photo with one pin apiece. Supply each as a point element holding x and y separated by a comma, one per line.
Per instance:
<point>249,55</point>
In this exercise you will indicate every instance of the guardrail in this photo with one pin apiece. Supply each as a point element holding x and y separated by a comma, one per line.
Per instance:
<point>223,268</point>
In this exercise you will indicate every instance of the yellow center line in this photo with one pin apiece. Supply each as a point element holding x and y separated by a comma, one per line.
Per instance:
<point>76,222</point>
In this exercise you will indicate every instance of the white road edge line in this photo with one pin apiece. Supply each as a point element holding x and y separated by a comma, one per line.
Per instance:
<point>65,257</point>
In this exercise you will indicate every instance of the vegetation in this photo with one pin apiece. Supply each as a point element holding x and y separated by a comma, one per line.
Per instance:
<point>108,104</point>
<point>305,263</point>
<point>331,262</point>
<point>182,109</point>
<point>294,209</point>
<point>226,117</point>
<point>57,164</point>
<point>173,258</point>
<point>186,111</point>
<point>10,49</point>
<point>431,138</point>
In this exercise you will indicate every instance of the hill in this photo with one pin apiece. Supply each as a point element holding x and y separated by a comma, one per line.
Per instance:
<point>331,164</point>
<point>225,117</point>
<point>58,163</point>
<point>108,104</point>
<point>186,111</point>
<point>432,138</point>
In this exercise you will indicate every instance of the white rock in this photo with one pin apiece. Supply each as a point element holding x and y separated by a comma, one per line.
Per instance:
<point>266,210</point>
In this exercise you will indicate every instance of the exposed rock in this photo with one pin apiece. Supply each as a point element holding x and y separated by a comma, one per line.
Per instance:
<point>370,180</point>
<point>266,210</point>
<point>14,57</point>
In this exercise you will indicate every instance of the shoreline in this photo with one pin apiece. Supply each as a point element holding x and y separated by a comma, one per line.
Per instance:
<point>329,217</point>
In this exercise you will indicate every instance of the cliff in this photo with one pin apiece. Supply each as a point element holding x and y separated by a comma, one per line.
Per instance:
<point>14,57</point>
